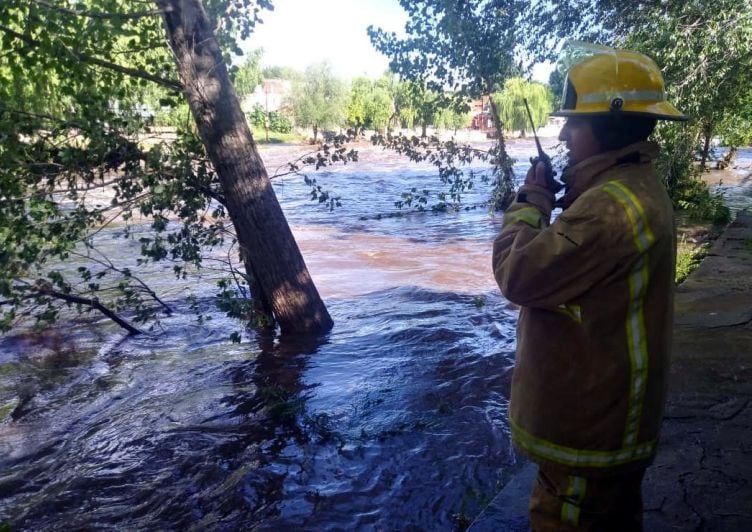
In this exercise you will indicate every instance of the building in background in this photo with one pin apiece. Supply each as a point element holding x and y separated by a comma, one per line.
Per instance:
<point>481,120</point>
<point>270,95</point>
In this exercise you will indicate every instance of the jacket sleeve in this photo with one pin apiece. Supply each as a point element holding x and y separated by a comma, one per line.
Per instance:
<point>540,265</point>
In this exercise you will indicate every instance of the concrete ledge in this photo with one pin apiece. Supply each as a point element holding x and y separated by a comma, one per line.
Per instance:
<point>508,510</point>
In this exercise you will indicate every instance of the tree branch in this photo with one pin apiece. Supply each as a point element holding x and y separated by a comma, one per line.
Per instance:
<point>85,58</point>
<point>93,303</point>
<point>107,263</point>
<point>134,72</point>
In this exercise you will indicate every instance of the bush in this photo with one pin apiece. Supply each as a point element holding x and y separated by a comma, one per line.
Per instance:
<point>257,116</point>
<point>696,198</point>
<point>688,258</point>
<point>177,116</point>
<point>277,121</point>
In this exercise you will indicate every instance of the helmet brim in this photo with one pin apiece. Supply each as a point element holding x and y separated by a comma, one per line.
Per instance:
<point>657,110</point>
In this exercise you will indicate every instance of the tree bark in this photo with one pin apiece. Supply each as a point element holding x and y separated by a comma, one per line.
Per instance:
<point>278,276</point>
<point>707,133</point>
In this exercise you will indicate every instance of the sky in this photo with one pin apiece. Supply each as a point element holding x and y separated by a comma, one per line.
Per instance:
<point>299,33</point>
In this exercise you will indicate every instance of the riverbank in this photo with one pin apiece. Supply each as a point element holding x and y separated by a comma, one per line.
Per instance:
<point>701,478</point>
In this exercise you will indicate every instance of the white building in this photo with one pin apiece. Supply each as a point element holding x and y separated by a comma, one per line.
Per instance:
<point>270,95</point>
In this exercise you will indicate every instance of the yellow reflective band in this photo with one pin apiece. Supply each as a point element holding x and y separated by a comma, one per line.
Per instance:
<point>640,229</point>
<point>529,215</point>
<point>579,457</point>
<point>635,326</point>
<point>575,494</point>
<point>570,514</point>
<point>571,310</point>
<point>627,96</point>
<point>638,349</point>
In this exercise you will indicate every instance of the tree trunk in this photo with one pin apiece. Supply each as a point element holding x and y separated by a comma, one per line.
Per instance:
<point>315,133</point>
<point>707,133</point>
<point>280,282</point>
<point>503,195</point>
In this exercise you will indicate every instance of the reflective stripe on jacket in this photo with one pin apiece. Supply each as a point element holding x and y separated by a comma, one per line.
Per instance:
<point>596,294</point>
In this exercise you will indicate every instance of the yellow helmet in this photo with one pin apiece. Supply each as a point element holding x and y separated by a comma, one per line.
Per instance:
<point>605,80</point>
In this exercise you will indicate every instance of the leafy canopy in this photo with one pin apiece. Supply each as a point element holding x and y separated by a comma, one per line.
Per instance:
<point>511,104</point>
<point>80,84</point>
<point>318,100</point>
<point>466,49</point>
<point>704,53</point>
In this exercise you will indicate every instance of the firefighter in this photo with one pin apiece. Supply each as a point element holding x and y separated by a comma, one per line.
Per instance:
<point>595,290</point>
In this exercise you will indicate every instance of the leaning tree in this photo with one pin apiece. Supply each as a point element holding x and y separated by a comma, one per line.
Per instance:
<point>73,160</point>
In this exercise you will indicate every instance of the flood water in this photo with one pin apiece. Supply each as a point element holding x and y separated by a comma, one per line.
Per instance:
<point>737,191</point>
<point>395,420</point>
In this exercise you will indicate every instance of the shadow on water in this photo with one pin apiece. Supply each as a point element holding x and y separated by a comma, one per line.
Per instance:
<point>393,420</point>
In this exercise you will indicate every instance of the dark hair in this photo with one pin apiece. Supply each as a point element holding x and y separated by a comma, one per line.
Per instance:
<point>620,130</point>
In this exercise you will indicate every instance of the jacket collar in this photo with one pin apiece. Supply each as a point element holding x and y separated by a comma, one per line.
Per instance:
<point>585,174</point>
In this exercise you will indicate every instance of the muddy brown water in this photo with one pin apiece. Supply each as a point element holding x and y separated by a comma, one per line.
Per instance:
<point>394,420</point>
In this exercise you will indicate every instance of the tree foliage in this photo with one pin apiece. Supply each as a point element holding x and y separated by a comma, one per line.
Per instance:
<point>467,47</point>
<point>63,137</point>
<point>735,126</point>
<point>511,104</point>
<point>273,120</point>
<point>77,157</point>
<point>380,104</point>
<point>707,60</point>
<point>318,100</point>
<point>451,118</point>
<point>384,102</point>
<point>556,87</point>
<point>423,104</point>
<point>702,48</point>
<point>357,100</point>
<point>404,111</point>
<point>281,72</point>
<point>247,76</point>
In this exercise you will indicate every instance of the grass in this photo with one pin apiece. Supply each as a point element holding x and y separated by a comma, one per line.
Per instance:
<point>693,242</point>
<point>6,410</point>
<point>689,256</point>
<point>259,135</point>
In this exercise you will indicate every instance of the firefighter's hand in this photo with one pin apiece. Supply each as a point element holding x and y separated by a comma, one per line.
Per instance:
<point>536,175</point>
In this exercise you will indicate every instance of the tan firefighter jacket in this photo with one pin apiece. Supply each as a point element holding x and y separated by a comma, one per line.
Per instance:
<point>596,294</point>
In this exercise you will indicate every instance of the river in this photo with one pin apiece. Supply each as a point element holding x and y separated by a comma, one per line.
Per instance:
<point>394,420</point>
